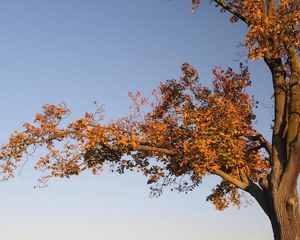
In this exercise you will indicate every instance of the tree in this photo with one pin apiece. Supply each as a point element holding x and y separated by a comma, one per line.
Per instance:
<point>191,131</point>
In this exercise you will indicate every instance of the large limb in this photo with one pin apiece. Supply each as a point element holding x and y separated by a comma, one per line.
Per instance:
<point>292,169</point>
<point>279,156</point>
<point>247,185</point>
<point>291,173</point>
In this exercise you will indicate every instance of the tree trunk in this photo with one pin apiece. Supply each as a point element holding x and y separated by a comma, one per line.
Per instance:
<point>281,200</point>
<point>284,216</point>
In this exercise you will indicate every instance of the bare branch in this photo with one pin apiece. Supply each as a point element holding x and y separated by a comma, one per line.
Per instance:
<point>230,9</point>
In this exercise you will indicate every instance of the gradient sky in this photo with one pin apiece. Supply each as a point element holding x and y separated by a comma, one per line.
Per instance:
<point>80,51</point>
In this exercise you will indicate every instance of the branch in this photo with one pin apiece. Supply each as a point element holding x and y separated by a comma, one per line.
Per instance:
<point>234,181</point>
<point>264,7</point>
<point>271,7</point>
<point>263,143</point>
<point>291,173</point>
<point>280,92</point>
<point>154,149</point>
<point>231,10</point>
<point>247,185</point>
<point>259,195</point>
<point>294,95</point>
<point>256,192</point>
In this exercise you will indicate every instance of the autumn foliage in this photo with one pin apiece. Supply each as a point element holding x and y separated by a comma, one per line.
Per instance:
<point>191,131</point>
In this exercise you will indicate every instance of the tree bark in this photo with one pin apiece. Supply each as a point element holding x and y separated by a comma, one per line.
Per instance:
<point>284,216</point>
<point>282,209</point>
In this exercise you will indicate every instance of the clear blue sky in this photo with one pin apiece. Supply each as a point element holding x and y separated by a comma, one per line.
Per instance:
<point>79,51</point>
